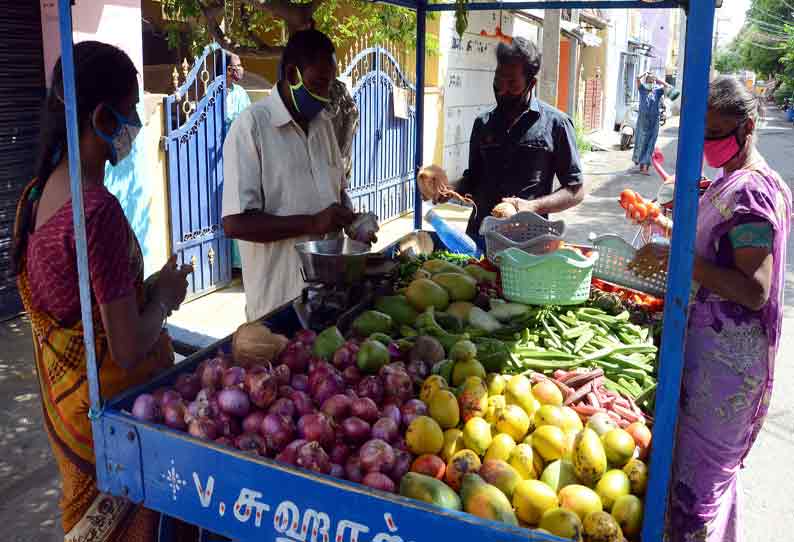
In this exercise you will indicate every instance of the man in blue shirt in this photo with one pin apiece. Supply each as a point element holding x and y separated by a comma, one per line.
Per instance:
<point>651,94</point>
<point>518,148</point>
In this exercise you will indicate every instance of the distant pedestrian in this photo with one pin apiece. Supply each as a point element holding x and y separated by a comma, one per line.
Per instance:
<point>651,95</point>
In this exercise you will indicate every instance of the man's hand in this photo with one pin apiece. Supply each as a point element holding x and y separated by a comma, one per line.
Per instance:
<point>432,180</point>
<point>331,219</point>
<point>522,205</point>
<point>171,284</point>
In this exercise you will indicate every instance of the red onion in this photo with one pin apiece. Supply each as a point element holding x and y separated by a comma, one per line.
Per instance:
<point>225,441</point>
<point>203,428</point>
<point>393,401</point>
<point>303,403</point>
<point>188,386</point>
<point>145,408</point>
<point>352,376</point>
<point>370,386</point>
<point>319,372</point>
<point>283,407</point>
<point>163,396</point>
<point>253,421</point>
<point>262,388</point>
<point>278,432</point>
<point>355,430</point>
<point>282,374</point>
<point>285,391</point>
<point>394,351</point>
<point>400,444</point>
<point>317,427</point>
<point>296,357</point>
<point>353,469</point>
<point>228,425</point>
<point>337,406</point>
<point>174,415</point>
<point>234,401</point>
<point>402,464</point>
<point>398,384</point>
<point>300,382</point>
<point>212,375</point>
<point>364,408</point>
<point>337,471</point>
<point>376,455</point>
<point>305,336</point>
<point>345,356</point>
<point>385,429</point>
<point>252,443</point>
<point>418,370</point>
<point>377,480</point>
<point>394,366</point>
<point>392,411</point>
<point>311,456</point>
<point>412,409</point>
<point>339,453</point>
<point>329,387</point>
<point>233,376</point>
<point>290,454</point>
<point>351,393</point>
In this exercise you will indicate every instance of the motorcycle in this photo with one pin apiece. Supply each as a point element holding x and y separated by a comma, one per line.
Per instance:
<point>663,112</point>
<point>628,126</point>
<point>786,105</point>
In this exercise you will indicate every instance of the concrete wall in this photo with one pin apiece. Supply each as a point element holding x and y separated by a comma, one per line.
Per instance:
<point>660,26</point>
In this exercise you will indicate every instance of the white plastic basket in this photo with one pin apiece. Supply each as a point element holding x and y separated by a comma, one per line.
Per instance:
<point>615,254</point>
<point>525,230</point>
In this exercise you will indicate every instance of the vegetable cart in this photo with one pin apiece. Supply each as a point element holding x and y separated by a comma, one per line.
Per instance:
<point>244,498</point>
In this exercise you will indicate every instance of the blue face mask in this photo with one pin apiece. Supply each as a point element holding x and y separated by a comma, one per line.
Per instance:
<point>306,103</point>
<point>121,139</point>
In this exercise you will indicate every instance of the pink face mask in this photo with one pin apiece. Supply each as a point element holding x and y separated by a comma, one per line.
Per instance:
<point>719,152</point>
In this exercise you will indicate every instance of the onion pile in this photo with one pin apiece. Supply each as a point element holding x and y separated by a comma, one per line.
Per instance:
<point>323,416</point>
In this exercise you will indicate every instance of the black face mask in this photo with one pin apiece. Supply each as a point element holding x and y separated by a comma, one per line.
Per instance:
<point>511,103</point>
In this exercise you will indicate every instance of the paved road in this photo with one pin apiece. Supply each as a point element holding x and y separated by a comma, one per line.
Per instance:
<point>28,477</point>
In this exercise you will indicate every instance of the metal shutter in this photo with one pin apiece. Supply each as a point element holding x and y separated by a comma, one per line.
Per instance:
<point>21,93</point>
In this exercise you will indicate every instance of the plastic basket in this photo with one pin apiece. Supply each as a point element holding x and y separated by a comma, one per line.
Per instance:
<point>525,230</point>
<point>561,277</point>
<point>613,266</point>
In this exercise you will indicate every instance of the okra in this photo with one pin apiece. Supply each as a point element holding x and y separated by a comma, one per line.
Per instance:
<point>574,332</point>
<point>545,354</point>
<point>583,339</point>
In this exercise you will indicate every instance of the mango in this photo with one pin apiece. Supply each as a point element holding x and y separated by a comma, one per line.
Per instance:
<point>461,287</point>
<point>477,435</point>
<point>480,274</point>
<point>570,420</point>
<point>612,485</point>
<point>619,447</point>
<point>601,527</point>
<point>327,342</point>
<point>570,440</point>
<point>371,356</point>
<point>486,501</point>
<point>473,399</point>
<point>501,447</point>
<point>547,393</point>
<point>460,309</point>
<point>628,511</point>
<point>496,403</point>
<point>519,392</point>
<point>559,474</point>
<point>496,384</point>
<point>463,351</point>
<point>531,499</point>
<point>637,471</point>
<point>435,266</point>
<point>424,293</point>
<point>429,465</point>
<point>453,443</point>
<point>443,407</point>
<point>589,458</point>
<point>563,523</point>
<point>522,459</point>
<point>549,441</point>
<point>431,384</point>
<point>513,421</point>
<point>424,436</point>
<point>642,438</point>
<point>424,488</point>
<point>462,463</point>
<point>601,423</point>
<point>580,500</point>
<point>536,458</point>
<point>464,369</point>
<point>398,308</point>
<point>369,322</point>
<point>501,475</point>
<point>548,415</point>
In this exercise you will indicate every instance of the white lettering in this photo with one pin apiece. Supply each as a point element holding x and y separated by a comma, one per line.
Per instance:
<point>204,494</point>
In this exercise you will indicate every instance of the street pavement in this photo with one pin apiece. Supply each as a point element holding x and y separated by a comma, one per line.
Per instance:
<point>28,476</point>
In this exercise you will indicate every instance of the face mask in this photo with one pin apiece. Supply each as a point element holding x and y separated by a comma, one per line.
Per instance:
<point>237,74</point>
<point>306,103</point>
<point>508,103</point>
<point>720,151</point>
<point>121,139</point>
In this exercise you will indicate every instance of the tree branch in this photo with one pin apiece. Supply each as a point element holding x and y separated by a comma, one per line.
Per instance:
<point>296,16</point>
<point>210,14</point>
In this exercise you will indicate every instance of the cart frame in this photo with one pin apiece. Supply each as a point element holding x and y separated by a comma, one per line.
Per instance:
<point>148,463</point>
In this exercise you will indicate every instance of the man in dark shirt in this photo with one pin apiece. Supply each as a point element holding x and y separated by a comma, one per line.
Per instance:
<point>517,148</point>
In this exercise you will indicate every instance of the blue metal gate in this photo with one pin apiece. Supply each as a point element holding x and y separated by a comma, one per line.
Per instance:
<point>195,130</point>
<point>382,179</point>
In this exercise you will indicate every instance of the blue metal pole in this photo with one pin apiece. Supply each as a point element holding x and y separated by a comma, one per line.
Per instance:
<point>697,64</point>
<point>421,28</point>
<point>78,214</point>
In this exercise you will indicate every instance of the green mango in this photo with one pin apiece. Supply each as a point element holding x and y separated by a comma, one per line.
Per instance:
<point>449,322</point>
<point>408,331</point>
<point>371,356</point>
<point>480,274</point>
<point>461,286</point>
<point>381,338</point>
<point>398,307</point>
<point>370,322</point>
<point>328,342</point>
<point>444,369</point>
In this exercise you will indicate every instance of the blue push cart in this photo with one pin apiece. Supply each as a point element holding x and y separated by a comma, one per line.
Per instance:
<point>244,498</point>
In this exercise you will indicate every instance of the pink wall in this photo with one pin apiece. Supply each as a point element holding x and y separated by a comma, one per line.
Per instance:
<point>117,22</point>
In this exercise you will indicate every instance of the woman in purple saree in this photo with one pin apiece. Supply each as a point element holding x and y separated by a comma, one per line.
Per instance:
<point>734,322</point>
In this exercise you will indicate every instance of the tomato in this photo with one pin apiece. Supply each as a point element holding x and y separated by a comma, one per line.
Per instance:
<point>640,213</point>
<point>654,210</point>
<point>627,197</point>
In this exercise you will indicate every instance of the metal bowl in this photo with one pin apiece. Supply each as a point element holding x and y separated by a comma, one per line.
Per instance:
<point>333,261</point>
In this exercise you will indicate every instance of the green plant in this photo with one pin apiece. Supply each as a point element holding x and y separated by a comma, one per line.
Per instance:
<point>583,144</point>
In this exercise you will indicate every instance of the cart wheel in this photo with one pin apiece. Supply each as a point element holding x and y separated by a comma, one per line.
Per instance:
<point>625,142</point>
